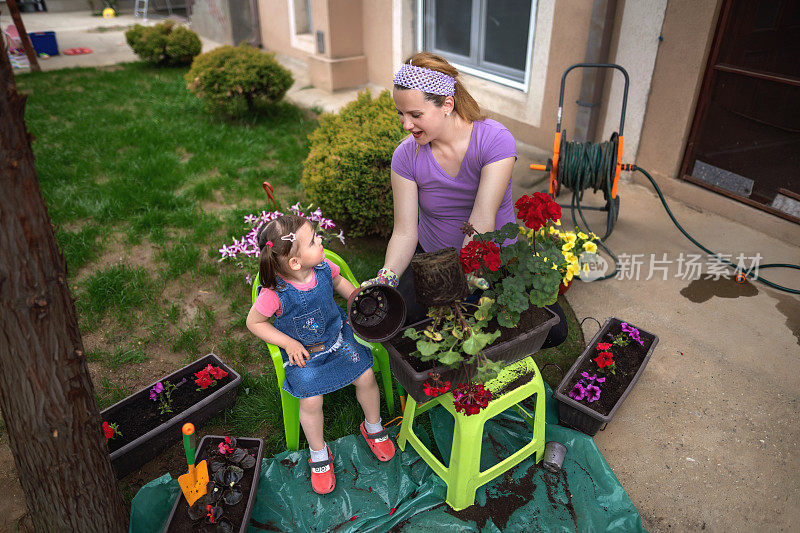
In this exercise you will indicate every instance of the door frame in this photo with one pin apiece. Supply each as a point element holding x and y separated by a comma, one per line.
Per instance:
<point>702,103</point>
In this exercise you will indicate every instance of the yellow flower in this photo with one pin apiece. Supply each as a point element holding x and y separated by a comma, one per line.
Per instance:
<point>590,247</point>
<point>568,276</point>
<point>582,236</point>
<point>569,236</point>
<point>569,257</point>
<point>558,222</point>
<point>522,230</point>
<point>553,230</point>
<point>545,260</point>
<point>568,246</point>
<point>575,268</point>
<point>554,267</point>
<point>531,233</point>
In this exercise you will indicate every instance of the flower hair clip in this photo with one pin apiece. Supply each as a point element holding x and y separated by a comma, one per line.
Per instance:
<point>268,243</point>
<point>289,237</point>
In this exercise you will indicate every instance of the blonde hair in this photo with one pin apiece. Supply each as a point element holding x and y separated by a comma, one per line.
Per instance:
<point>275,252</point>
<point>465,105</point>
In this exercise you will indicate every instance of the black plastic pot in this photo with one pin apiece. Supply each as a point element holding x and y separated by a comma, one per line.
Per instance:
<point>578,416</point>
<point>150,445</point>
<point>181,507</point>
<point>510,351</point>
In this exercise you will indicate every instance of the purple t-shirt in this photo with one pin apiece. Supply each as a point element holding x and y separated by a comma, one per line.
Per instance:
<point>445,203</point>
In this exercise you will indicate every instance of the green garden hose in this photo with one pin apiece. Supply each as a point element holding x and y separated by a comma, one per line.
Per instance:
<point>592,165</point>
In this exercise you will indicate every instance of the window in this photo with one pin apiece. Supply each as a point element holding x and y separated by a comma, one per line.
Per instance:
<point>487,38</point>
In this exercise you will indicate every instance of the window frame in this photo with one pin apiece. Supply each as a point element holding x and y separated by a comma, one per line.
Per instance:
<point>473,65</point>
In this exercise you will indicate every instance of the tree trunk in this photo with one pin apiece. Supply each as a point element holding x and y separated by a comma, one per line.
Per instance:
<point>46,394</point>
<point>23,35</point>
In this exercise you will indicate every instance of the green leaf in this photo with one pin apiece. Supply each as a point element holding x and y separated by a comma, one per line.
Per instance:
<point>450,358</point>
<point>427,348</point>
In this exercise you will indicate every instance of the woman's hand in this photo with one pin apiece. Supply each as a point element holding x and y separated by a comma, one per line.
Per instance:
<point>297,353</point>
<point>385,277</point>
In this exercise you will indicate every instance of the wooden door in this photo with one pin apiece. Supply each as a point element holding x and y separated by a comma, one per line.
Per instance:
<point>745,138</point>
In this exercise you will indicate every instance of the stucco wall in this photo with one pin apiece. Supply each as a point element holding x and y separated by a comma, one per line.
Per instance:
<point>275,28</point>
<point>688,31</point>
<point>636,51</point>
<point>377,38</point>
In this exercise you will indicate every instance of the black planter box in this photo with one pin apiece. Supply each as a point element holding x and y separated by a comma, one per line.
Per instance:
<point>509,351</point>
<point>578,416</point>
<point>182,506</point>
<point>150,445</point>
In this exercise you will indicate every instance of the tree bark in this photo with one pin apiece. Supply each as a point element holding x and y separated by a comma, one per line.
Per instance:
<point>23,35</point>
<point>46,394</point>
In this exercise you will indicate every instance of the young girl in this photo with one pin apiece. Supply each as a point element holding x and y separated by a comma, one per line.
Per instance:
<point>320,353</point>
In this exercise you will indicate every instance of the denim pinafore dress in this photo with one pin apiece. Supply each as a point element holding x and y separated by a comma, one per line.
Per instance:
<point>313,318</point>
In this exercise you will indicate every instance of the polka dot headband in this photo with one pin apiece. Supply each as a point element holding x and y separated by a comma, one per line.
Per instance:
<point>425,80</point>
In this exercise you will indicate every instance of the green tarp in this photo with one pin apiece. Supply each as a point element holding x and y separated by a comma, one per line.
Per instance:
<point>406,495</point>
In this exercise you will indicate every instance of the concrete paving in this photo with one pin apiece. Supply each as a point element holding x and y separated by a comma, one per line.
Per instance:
<point>708,438</point>
<point>80,29</point>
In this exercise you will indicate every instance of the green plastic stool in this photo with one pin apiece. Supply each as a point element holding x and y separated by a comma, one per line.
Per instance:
<point>463,476</point>
<point>289,404</point>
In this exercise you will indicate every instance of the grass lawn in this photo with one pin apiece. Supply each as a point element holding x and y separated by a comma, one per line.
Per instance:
<point>143,187</point>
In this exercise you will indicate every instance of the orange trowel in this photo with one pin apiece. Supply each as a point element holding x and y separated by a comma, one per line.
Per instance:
<point>194,482</point>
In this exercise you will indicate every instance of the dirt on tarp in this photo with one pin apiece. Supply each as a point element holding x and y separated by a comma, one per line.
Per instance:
<point>405,495</point>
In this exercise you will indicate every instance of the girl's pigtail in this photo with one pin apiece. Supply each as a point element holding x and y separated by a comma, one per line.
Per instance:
<point>267,259</point>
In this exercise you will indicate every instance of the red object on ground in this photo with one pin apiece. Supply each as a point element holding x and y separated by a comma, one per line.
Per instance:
<point>380,443</point>
<point>77,51</point>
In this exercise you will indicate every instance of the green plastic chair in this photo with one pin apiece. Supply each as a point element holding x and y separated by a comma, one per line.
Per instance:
<point>289,404</point>
<point>464,476</point>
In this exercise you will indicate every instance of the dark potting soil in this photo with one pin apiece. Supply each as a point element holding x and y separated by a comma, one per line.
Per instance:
<point>529,320</point>
<point>509,495</point>
<point>232,513</point>
<point>141,414</point>
<point>627,360</point>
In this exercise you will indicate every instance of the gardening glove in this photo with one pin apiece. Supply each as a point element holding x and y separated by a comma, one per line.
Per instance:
<point>385,277</point>
<point>476,282</point>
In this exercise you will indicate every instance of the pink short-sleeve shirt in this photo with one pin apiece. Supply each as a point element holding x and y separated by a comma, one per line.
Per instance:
<point>268,303</point>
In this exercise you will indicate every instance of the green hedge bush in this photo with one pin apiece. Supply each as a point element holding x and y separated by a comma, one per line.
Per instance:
<point>165,43</point>
<point>237,79</point>
<point>347,169</point>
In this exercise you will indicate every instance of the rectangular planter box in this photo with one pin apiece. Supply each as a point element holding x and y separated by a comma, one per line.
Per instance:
<point>509,351</point>
<point>582,417</point>
<point>150,445</point>
<point>182,506</point>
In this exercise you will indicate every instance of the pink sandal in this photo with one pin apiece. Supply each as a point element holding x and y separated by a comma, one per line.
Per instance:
<point>380,443</point>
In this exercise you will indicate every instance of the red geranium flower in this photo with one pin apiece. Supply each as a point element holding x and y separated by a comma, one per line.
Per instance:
<point>471,397</point>
<point>434,390</point>
<point>203,379</point>
<point>218,373</point>
<point>107,430</point>
<point>603,346</point>
<point>475,254</point>
<point>604,359</point>
<point>536,210</point>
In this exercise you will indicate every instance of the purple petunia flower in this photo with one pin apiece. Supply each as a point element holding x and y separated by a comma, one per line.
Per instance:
<point>157,389</point>
<point>585,374</point>
<point>592,393</point>
<point>600,380</point>
<point>578,392</point>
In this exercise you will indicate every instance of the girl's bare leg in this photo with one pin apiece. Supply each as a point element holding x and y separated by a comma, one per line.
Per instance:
<point>312,421</point>
<point>369,396</point>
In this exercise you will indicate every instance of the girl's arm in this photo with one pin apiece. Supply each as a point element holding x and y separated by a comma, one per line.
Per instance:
<point>403,242</point>
<point>343,287</point>
<point>495,178</point>
<point>259,325</point>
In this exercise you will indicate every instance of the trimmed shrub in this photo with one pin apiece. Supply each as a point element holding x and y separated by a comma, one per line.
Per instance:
<point>165,43</point>
<point>347,169</point>
<point>237,79</point>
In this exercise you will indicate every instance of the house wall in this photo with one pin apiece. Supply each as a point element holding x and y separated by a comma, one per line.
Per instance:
<point>688,32</point>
